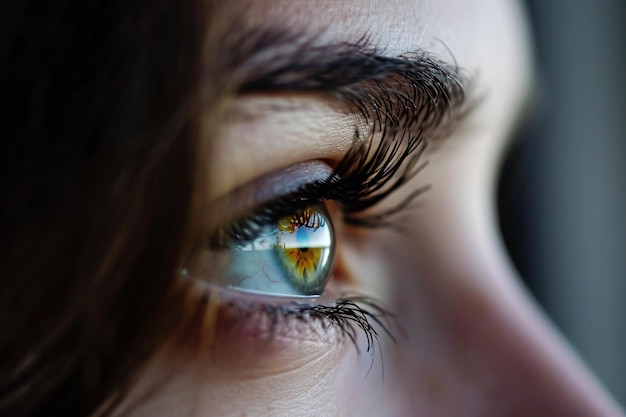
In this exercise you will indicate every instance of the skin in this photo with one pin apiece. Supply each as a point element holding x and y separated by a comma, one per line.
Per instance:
<point>472,342</point>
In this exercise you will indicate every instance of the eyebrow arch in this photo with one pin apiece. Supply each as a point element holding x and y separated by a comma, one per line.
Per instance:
<point>410,92</point>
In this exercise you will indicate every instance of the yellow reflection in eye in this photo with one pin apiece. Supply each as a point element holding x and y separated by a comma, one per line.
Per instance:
<point>302,264</point>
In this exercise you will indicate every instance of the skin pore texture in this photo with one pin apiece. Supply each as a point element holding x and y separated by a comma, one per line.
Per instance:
<point>469,340</point>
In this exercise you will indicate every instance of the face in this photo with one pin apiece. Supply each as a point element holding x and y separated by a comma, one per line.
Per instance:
<point>452,332</point>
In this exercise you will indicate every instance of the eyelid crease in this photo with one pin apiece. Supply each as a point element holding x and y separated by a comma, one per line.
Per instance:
<point>366,175</point>
<point>245,199</point>
<point>371,170</point>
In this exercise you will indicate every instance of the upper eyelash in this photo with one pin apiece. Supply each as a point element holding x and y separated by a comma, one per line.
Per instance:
<point>364,177</point>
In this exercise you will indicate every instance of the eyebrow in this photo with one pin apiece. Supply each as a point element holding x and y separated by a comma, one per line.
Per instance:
<point>411,92</point>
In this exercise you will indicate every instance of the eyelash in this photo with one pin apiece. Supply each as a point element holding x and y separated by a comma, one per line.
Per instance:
<point>348,313</point>
<point>363,178</point>
<point>351,313</point>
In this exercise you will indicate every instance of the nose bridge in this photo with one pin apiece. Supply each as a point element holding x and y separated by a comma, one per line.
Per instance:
<point>506,357</point>
<point>518,361</point>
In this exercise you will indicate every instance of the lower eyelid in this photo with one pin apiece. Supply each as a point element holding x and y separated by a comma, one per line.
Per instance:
<point>244,330</point>
<point>264,330</point>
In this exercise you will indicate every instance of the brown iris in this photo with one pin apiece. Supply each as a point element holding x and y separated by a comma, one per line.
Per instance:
<point>303,264</point>
<point>305,248</point>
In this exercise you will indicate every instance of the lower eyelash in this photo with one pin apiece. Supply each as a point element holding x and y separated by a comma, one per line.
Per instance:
<point>349,314</point>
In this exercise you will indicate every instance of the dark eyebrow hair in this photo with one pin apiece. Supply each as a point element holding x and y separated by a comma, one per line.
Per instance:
<point>412,91</point>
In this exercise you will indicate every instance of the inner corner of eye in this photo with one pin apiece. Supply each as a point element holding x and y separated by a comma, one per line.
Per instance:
<point>291,256</point>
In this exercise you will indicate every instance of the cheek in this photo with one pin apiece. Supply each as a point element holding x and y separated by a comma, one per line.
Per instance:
<point>239,359</point>
<point>244,374</point>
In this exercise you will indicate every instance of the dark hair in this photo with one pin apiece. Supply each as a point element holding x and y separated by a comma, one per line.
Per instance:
<point>99,129</point>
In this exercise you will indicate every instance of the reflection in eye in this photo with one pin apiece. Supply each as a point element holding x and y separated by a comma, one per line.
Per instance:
<point>290,257</point>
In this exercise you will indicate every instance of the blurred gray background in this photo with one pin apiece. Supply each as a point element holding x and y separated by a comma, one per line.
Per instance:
<point>563,193</point>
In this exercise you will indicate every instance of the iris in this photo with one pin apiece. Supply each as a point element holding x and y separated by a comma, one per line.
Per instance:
<point>291,257</point>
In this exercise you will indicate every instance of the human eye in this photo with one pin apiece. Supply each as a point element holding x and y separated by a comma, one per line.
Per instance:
<point>278,256</point>
<point>286,246</point>
<point>285,249</point>
<point>290,256</point>
<point>269,254</point>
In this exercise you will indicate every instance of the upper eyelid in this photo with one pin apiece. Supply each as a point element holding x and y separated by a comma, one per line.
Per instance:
<point>365,176</point>
<point>245,199</point>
